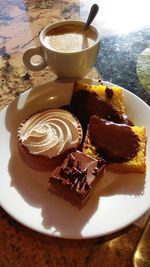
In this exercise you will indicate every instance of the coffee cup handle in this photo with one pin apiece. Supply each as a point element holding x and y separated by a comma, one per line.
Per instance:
<point>27,59</point>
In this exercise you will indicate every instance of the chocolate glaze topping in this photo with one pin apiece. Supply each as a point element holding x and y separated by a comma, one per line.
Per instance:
<point>109,92</point>
<point>85,104</point>
<point>78,172</point>
<point>114,142</point>
<point>76,176</point>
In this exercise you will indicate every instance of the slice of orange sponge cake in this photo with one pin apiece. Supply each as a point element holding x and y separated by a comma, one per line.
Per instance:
<point>110,134</point>
<point>122,146</point>
<point>89,99</point>
<point>138,162</point>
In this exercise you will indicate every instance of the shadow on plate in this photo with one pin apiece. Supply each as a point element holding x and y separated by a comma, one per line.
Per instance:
<point>121,184</point>
<point>58,216</point>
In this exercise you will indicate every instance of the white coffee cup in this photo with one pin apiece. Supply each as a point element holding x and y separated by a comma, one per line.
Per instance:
<point>63,64</point>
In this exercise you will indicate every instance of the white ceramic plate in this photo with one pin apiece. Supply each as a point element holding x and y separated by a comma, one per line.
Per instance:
<point>117,202</point>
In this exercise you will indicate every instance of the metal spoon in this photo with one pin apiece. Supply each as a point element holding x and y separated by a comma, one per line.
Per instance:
<point>93,11</point>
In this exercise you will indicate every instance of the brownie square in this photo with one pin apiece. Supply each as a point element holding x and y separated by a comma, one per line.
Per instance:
<point>76,178</point>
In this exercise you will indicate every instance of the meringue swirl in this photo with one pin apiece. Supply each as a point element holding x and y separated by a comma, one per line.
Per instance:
<point>50,132</point>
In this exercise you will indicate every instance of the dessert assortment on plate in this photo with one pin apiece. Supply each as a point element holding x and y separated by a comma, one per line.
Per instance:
<point>110,133</point>
<point>80,141</point>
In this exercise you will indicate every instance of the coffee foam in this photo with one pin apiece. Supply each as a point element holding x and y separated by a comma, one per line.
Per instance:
<point>70,38</point>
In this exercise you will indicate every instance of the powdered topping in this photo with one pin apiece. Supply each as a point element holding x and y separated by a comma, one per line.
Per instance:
<point>50,132</point>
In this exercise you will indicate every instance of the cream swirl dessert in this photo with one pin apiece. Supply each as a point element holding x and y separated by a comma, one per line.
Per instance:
<point>50,133</point>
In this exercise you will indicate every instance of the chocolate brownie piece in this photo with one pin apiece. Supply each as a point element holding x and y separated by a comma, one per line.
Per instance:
<point>76,178</point>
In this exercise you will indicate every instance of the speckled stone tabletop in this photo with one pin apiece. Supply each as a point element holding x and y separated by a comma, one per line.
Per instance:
<point>121,60</point>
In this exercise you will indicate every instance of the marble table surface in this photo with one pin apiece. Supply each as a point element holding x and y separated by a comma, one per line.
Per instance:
<point>124,59</point>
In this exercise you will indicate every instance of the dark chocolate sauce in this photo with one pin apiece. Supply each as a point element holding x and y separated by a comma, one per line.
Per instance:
<point>84,122</point>
<point>114,142</point>
<point>85,104</point>
<point>109,92</point>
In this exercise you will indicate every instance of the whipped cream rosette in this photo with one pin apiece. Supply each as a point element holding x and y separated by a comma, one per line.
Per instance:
<point>50,133</point>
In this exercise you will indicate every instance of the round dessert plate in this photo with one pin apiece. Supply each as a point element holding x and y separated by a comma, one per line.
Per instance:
<point>119,199</point>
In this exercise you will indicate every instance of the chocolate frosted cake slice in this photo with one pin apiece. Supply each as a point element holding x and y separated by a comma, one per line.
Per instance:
<point>75,179</point>
<point>123,147</point>
<point>101,100</point>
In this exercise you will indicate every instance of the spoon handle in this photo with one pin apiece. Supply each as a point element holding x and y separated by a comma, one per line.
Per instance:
<point>93,11</point>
